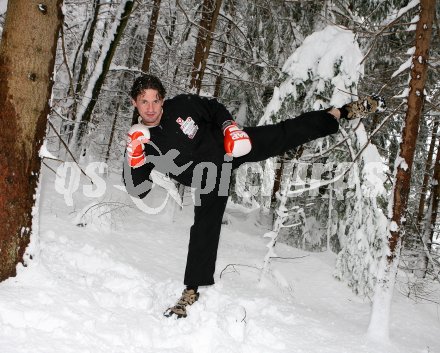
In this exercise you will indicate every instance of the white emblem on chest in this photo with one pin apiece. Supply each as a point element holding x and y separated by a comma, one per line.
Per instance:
<point>188,126</point>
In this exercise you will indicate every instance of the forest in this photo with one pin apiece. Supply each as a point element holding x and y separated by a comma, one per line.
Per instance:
<point>369,195</point>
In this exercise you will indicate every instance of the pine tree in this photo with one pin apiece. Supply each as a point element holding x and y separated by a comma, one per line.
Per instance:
<point>317,75</point>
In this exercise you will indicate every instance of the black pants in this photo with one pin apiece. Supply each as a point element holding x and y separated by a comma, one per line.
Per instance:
<point>267,141</point>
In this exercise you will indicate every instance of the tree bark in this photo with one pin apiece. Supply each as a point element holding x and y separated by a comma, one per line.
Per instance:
<point>172,28</point>
<point>150,37</point>
<point>426,175</point>
<point>219,78</point>
<point>145,67</point>
<point>277,181</point>
<point>412,121</point>
<point>210,11</point>
<point>27,57</point>
<point>112,134</point>
<point>435,199</point>
<point>90,30</point>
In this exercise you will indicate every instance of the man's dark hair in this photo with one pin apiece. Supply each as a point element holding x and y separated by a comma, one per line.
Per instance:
<point>147,82</point>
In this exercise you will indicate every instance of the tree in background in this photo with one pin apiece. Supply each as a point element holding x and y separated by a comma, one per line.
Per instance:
<point>150,37</point>
<point>25,89</point>
<point>345,217</point>
<point>149,45</point>
<point>379,324</point>
<point>96,80</point>
<point>210,11</point>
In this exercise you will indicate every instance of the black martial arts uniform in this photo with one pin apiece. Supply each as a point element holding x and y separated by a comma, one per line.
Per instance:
<point>191,125</point>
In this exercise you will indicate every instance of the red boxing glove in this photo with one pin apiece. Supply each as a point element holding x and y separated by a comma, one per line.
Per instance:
<point>237,142</point>
<point>137,136</point>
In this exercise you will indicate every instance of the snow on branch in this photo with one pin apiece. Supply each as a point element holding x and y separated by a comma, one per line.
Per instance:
<point>406,64</point>
<point>396,14</point>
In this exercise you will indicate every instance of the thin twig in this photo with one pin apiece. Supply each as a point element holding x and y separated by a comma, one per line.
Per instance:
<point>54,159</point>
<point>49,168</point>
<point>66,62</point>
<point>68,150</point>
<point>64,118</point>
<point>366,143</point>
<point>233,265</point>
<point>288,258</point>
<point>374,133</point>
<point>352,163</point>
<point>260,268</point>
<point>376,36</point>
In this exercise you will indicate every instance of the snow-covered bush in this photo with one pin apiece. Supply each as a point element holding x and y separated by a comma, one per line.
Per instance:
<point>330,202</point>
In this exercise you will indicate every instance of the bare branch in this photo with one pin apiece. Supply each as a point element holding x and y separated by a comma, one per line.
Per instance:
<point>68,150</point>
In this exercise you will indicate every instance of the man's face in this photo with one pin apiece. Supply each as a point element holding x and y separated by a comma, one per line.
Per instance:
<point>149,106</point>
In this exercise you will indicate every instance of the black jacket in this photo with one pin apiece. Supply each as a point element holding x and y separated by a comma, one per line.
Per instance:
<point>189,132</point>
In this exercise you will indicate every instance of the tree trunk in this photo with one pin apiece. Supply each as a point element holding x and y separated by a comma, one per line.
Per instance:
<point>170,35</point>
<point>94,86</point>
<point>27,59</point>
<point>219,78</point>
<point>77,78</point>
<point>145,67</point>
<point>90,30</point>
<point>280,171</point>
<point>427,231</point>
<point>112,134</point>
<point>380,314</point>
<point>411,124</point>
<point>435,200</point>
<point>210,11</point>
<point>427,174</point>
<point>277,181</point>
<point>150,37</point>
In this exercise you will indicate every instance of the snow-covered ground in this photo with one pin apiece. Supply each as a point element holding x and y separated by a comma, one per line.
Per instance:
<point>103,288</point>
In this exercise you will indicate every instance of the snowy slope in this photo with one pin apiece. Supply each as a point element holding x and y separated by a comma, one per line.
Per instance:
<point>103,288</point>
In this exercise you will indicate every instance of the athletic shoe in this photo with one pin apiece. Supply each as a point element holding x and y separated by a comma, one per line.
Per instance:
<point>362,107</point>
<point>189,297</point>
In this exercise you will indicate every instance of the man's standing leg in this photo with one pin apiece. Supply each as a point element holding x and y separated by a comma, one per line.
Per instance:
<point>204,238</point>
<point>203,245</point>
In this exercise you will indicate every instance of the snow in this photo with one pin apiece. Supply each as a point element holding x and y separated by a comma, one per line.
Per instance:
<point>315,60</point>
<point>326,68</point>
<point>406,65</point>
<point>102,267</point>
<point>378,328</point>
<point>44,152</point>
<point>394,227</point>
<point>3,6</point>
<point>400,12</point>
<point>103,288</point>
<point>403,94</point>
<point>400,162</point>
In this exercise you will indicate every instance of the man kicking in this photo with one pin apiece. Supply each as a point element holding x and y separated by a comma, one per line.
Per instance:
<point>206,145</point>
